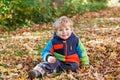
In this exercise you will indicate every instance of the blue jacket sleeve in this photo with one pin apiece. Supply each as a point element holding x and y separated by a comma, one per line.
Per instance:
<point>82,54</point>
<point>46,51</point>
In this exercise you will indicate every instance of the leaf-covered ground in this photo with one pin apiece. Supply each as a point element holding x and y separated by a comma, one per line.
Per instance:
<point>99,32</point>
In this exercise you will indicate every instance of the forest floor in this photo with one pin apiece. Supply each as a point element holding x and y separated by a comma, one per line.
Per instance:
<point>99,32</point>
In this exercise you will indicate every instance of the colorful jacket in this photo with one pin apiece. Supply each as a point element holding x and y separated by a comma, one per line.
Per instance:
<point>70,50</point>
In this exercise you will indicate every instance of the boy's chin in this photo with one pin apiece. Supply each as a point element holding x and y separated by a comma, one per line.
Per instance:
<point>65,38</point>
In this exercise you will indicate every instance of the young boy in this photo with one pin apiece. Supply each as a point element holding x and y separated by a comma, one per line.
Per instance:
<point>63,52</point>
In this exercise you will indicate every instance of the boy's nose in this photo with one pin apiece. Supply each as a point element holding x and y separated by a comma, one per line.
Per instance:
<point>64,31</point>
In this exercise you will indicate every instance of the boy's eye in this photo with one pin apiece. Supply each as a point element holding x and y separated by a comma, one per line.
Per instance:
<point>60,30</point>
<point>67,29</point>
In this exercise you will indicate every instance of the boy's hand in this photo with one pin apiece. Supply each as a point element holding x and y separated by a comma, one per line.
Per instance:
<point>51,59</point>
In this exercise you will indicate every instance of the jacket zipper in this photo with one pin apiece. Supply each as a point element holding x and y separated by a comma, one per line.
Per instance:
<point>66,48</point>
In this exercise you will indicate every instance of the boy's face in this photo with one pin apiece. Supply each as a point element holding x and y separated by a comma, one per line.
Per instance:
<point>64,31</point>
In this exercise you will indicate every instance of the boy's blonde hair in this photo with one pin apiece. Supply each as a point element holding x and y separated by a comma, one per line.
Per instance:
<point>63,20</point>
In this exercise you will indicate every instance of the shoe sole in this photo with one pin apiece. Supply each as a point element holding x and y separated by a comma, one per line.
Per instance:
<point>31,74</point>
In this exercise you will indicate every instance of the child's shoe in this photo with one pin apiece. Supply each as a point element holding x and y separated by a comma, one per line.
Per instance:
<point>34,74</point>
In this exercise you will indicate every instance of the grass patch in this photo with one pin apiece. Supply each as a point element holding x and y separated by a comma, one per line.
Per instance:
<point>4,52</point>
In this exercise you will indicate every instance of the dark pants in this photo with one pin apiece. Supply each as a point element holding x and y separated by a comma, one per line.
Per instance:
<point>58,66</point>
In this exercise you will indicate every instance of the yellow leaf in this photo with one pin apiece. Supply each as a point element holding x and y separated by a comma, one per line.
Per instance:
<point>113,54</point>
<point>55,6</point>
<point>23,77</point>
<point>103,48</point>
<point>37,57</point>
<point>9,71</point>
<point>2,69</point>
<point>109,77</point>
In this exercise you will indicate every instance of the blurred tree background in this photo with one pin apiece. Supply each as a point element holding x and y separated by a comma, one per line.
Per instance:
<point>23,13</point>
